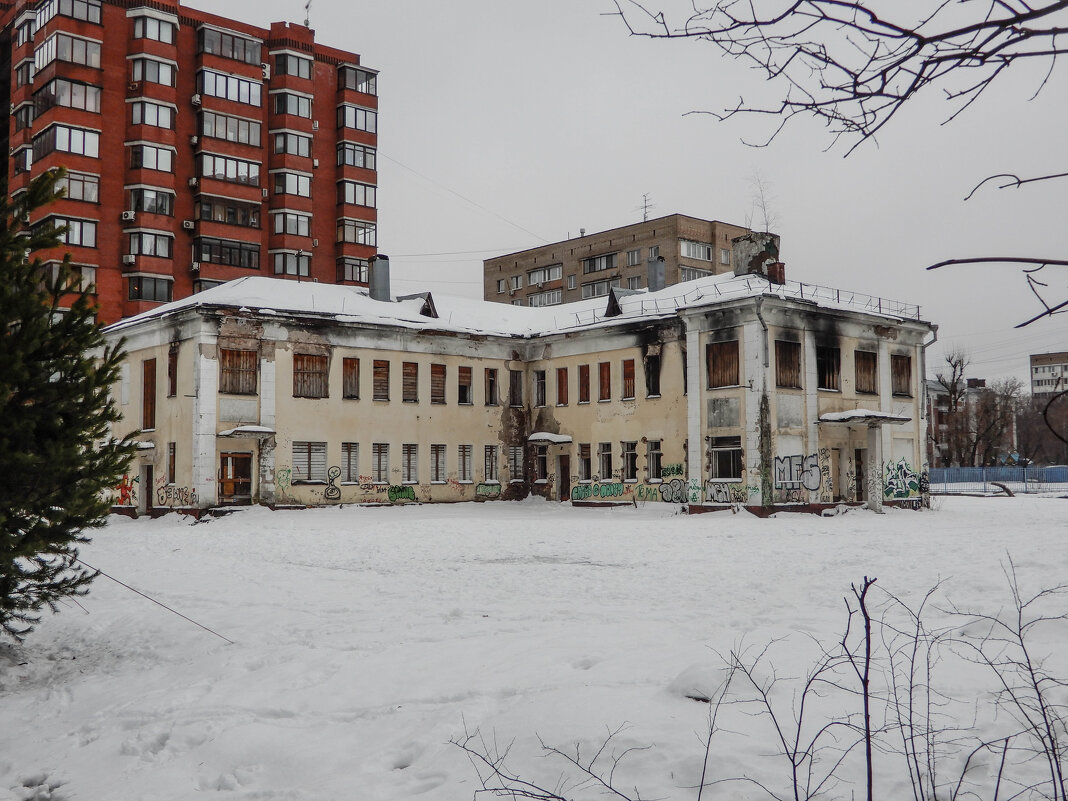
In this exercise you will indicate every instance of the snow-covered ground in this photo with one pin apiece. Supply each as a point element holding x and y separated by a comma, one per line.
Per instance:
<point>365,639</point>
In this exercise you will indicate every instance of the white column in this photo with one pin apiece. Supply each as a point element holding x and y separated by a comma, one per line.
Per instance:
<point>205,424</point>
<point>874,469</point>
<point>812,406</point>
<point>753,376</point>
<point>268,396</point>
<point>694,398</point>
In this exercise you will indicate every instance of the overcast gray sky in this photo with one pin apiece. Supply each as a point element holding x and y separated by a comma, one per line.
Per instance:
<point>506,124</point>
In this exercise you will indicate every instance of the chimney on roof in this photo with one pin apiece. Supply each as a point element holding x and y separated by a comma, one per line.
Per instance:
<point>378,283</point>
<point>656,273</point>
<point>754,253</point>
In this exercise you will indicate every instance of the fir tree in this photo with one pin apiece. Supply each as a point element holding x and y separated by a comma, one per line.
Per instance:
<point>58,460</point>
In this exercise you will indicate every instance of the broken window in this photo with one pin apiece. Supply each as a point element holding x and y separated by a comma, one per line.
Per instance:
<point>437,383</point>
<point>237,372</point>
<point>652,375</point>
<point>604,384</point>
<point>788,364</point>
<point>585,463</point>
<point>828,367</point>
<point>515,463</point>
<point>463,386</point>
<point>380,390</point>
<point>723,367</point>
<point>515,387</point>
<point>541,463</point>
<point>865,363</point>
<point>489,464</point>
<point>539,387</point>
<point>901,375</point>
<point>410,382</point>
<point>604,454</point>
<point>584,383</point>
<point>172,370</point>
<point>492,398</point>
<point>654,460</point>
<point>725,457</point>
<point>630,461</point>
<point>350,378</point>
<point>628,379</point>
<point>561,386</point>
<point>309,376</point>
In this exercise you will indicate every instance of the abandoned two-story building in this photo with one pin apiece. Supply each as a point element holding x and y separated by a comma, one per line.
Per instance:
<point>731,389</point>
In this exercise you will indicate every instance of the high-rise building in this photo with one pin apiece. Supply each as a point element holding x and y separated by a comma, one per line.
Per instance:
<point>1049,374</point>
<point>646,255</point>
<point>197,147</point>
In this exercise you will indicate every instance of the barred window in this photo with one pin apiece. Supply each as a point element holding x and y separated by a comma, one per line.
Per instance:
<point>515,463</point>
<point>723,367</point>
<point>309,461</point>
<point>237,371</point>
<point>350,462</point>
<point>463,462</point>
<point>310,377</point>
<point>788,364</point>
<point>380,462</point>
<point>437,463</point>
<point>410,463</point>
<point>489,466</point>
<point>865,365</point>
<point>350,378</point>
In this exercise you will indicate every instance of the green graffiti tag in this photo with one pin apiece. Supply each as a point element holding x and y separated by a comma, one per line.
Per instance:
<point>401,493</point>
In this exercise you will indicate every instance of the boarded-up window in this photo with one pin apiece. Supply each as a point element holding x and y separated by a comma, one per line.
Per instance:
<point>350,461</point>
<point>723,364</point>
<point>410,382</point>
<point>464,455</point>
<point>828,367</point>
<point>309,376</point>
<point>380,462</point>
<point>787,364</point>
<point>380,380</point>
<point>309,461</point>
<point>172,370</point>
<point>437,463</point>
<point>148,395</point>
<point>237,372</point>
<point>410,463</point>
<point>464,392</point>
<point>350,378</point>
<point>437,383</point>
<point>492,392</point>
<point>604,381</point>
<point>901,375</point>
<point>561,386</point>
<point>628,379</point>
<point>584,383</point>
<point>489,464</point>
<point>515,387</point>
<point>865,363</point>
<point>652,375</point>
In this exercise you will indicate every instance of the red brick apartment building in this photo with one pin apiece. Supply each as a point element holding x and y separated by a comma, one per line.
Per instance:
<point>197,147</point>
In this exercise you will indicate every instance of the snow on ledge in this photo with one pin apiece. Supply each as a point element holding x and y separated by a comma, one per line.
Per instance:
<point>545,436</point>
<point>245,431</point>
<point>864,416</point>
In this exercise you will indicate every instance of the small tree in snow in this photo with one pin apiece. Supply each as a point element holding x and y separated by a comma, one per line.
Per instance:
<point>57,456</point>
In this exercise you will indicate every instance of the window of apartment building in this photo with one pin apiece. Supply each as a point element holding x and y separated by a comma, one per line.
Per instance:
<point>152,157</point>
<point>237,371</point>
<point>595,264</point>
<point>86,10</point>
<point>901,375</point>
<point>357,231</point>
<point>691,273</point>
<point>152,201</point>
<point>79,233</point>
<point>598,289</point>
<point>228,45</point>
<point>652,375</point>
<point>350,462</point>
<point>172,370</point>
<point>24,73</point>
<point>634,282</point>
<point>561,386</point>
<point>501,286</point>
<point>293,144</point>
<point>518,302</point>
<point>350,378</point>
<point>66,93</point>
<point>228,211</point>
<point>409,463</point>
<point>64,47</point>
<point>150,243</point>
<point>357,118</point>
<point>465,394</point>
<point>828,367</point>
<point>356,194</point>
<point>146,287</point>
<point>702,251</point>
<point>489,463</point>
<point>724,256</point>
<point>155,29</point>
<point>685,372</point>
<point>584,383</point>
<point>410,382</point>
<point>604,381</point>
<point>515,282</point>
<point>539,387</point>
<point>515,387</point>
<point>24,116</point>
<point>66,139</point>
<point>541,463</point>
<point>515,463</point>
<point>542,274</point>
<point>292,103</point>
<point>464,455</point>
<point>628,379</point>
<point>232,129</point>
<point>148,394</point>
<point>352,269</point>
<point>172,462</point>
<point>290,263</point>
<point>21,160</point>
<point>585,462</point>
<point>351,154</point>
<point>292,183</point>
<point>357,80</point>
<point>289,64</point>
<point>634,257</point>
<point>310,376</point>
<point>80,277</point>
<point>550,297</point>
<point>492,391</point>
<point>725,457</point>
<point>630,461</point>
<point>572,281</point>
<point>224,168</point>
<point>157,115</point>
<point>204,284</point>
<point>437,464</point>
<point>380,462</point>
<point>604,460</point>
<point>229,87</point>
<point>226,251</point>
<point>152,71</point>
<point>24,33</point>
<point>309,461</point>
<point>787,364</point>
<point>865,364</point>
<point>654,460</point>
<point>437,383</point>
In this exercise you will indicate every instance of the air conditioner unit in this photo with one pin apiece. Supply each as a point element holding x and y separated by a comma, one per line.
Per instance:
<point>188,225</point>
<point>194,140</point>
<point>511,291</point>
<point>266,68</point>
<point>129,216</point>
<point>195,267</point>
<point>133,87</point>
<point>315,125</point>
<point>315,162</point>
<point>129,258</point>
<point>195,100</point>
<point>265,192</point>
<point>315,243</point>
<point>541,284</point>
<point>193,181</point>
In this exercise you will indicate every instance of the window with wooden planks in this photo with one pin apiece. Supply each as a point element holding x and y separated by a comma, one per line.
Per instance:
<point>148,394</point>
<point>561,386</point>
<point>410,382</point>
<point>380,380</point>
<point>628,379</point>
<point>309,461</point>
<point>828,367</point>
<point>865,364</point>
<point>310,379</point>
<point>723,364</point>
<point>901,375</point>
<point>380,462</point>
<point>489,464</point>
<point>237,374</point>
<point>350,378</point>
<point>604,381</point>
<point>437,383</point>
<point>350,462</point>
<point>437,463</point>
<point>584,383</point>
<point>788,364</point>
<point>515,387</point>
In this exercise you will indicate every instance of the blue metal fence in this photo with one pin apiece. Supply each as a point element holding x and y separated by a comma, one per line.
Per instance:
<point>960,480</point>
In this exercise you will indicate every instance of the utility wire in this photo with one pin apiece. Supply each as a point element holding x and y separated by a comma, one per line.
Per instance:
<point>153,600</point>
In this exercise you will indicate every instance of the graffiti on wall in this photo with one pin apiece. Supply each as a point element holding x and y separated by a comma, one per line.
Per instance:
<point>827,490</point>
<point>669,470</point>
<point>170,495</point>
<point>583,492</point>
<point>728,492</point>
<point>332,493</point>
<point>797,472</point>
<point>127,490</point>
<point>397,492</point>
<point>283,478</point>
<point>488,491</point>
<point>900,481</point>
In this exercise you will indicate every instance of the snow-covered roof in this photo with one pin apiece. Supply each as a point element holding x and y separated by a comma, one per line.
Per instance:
<point>349,304</point>
<point>864,416</point>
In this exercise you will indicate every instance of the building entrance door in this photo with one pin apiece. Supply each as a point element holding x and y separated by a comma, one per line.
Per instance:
<point>235,478</point>
<point>563,478</point>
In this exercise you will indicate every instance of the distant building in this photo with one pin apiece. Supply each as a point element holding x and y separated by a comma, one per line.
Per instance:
<point>645,255</point>
<point>197,147</point>
<point>973,429</point>
<point>1049,374</point>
